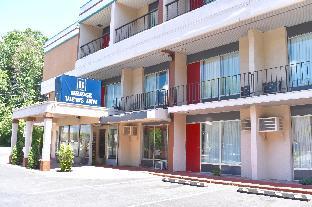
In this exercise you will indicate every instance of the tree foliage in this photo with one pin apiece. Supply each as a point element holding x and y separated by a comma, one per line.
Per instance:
<point>21,65</point>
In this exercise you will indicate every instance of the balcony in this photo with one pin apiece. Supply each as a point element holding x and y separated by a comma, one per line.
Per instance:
<point>179,7</point>
<point>143,101</point>
<point>94,45</point>
<point>136,26</point>
<point>283,79</point>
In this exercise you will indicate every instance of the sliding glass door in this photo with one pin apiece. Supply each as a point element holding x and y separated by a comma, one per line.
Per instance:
<point>300,57</point>
<point>156,86</point>
<point>302,142</point>
<point>221,143</point>
<point>155,143</point>
<point>220,76</point>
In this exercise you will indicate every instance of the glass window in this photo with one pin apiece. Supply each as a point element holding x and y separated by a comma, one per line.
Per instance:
<point>302,142</point>
<point>155,142</point>
<point>211,142</point>
<point>85,136</point>
<point>221,142</point>
<point>156,86</point>
<point>300,57</point>
<point>112,143</point>
<point>219,76</point>
<point>148,142</point>
<point>113,94</point>
<point>74,139</point>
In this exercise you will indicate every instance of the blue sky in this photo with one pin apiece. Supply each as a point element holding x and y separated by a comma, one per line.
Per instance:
<point>47,16</point>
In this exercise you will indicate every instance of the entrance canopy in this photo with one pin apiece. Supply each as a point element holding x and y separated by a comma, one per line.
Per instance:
<point>59,110</point>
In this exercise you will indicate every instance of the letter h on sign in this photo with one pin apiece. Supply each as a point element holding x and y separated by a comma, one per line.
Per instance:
<point>81,84</point>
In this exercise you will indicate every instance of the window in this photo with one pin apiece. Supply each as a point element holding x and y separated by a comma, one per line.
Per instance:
<point>84,141</point>
<point>112,143</point>
<point>220,76</point>
<point>113,94</point>
<point>300,57</point>
<point>302,141</point>
<point>155,142</point>
<point>156,86</point>
<point>78,137</point>
<point>221,142</point>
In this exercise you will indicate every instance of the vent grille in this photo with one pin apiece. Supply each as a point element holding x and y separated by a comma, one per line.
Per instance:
<point>270,124</point>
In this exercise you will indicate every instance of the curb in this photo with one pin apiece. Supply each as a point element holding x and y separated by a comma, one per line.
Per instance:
<point>269,187</point>
<point>185,182</point>
<point>283,195</point>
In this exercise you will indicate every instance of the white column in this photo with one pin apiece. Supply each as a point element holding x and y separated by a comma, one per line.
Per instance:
<point>28,137</point>
<point>54,140</point>
<point>14,134</point>
<point>47,139</point>
<point>179,151</point>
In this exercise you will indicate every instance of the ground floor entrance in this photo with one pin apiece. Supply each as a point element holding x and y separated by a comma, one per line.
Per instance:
<point>106,144</point>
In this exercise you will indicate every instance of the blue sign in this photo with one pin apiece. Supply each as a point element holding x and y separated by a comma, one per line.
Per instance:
<point>75,90</point>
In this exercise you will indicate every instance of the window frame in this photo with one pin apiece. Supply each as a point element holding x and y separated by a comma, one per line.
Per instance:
<point>220,162</point>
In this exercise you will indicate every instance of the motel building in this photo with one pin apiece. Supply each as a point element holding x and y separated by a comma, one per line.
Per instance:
<point>181,85</point>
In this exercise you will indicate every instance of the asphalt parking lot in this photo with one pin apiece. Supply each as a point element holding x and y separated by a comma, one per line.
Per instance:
<point>91,186</point>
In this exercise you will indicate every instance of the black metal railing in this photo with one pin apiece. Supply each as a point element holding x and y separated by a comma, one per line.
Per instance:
<point>143,101</point>
<point>94,45</point>
<point>293,77</point>
<point>179,7</point>
<point>136,26</point>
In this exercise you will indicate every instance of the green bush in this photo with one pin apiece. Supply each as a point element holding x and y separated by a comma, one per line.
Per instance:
<point>65,157</point>
<point>17,153</point>
<point>216,171</point>
<point>306,181</point>
<point>36,148</point>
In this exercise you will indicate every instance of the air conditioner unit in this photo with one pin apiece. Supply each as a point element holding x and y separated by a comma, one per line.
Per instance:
<point>134,130</point>
<point>270,124</point>
<point>246,125</point>
<point>127,130</point>
<point>130,130</point>
<point>160,165</point>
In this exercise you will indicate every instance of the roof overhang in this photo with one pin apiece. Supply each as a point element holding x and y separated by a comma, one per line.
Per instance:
<point>153,115</point>
<point>59,109</point>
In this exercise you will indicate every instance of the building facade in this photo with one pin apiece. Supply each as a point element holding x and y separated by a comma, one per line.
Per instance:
<point>186,85</point>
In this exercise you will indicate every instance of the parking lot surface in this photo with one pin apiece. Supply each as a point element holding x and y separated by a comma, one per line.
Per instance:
<point>95,186</point>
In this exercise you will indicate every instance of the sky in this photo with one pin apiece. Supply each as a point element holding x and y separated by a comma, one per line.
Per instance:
<point>47,16</point>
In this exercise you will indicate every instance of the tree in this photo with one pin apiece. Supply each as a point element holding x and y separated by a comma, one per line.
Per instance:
<point>21,66</point>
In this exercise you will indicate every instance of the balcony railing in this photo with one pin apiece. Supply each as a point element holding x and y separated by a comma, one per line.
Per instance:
<point>94,45</point>
<point>136,26</point>
<point>294,77</point>
<point>179,7</point>
<point>143,101</point>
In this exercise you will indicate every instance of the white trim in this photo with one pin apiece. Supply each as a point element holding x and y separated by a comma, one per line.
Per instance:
<point>240,102</point>
<point>61,37</point>
<point>59,108</point>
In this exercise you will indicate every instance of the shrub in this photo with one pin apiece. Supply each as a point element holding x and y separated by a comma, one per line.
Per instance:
<point>306,181</point>
<point>33,158</point>
<point>216,171</point>
<point>36,148</point>
<point>65,157</point>
<point>17,152</point>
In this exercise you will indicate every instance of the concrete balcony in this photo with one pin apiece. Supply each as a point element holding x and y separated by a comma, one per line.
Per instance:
<point>210,26</point>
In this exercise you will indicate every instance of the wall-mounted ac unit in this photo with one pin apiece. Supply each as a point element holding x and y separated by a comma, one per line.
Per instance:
<point>134,130</point>
<point>246,125</point>
<point>127,130</point>
<point>130,130</point>
<point>270,124</point>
